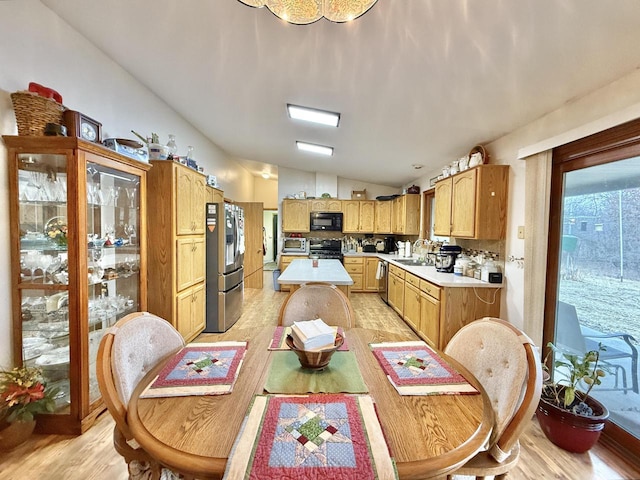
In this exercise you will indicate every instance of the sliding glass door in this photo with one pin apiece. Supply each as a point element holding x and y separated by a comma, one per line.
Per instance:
<point>593,291</point>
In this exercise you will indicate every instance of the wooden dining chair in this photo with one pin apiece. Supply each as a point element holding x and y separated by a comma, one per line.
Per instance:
<point>317,300</point>
<point>129,349</point>
<point>507,364</point>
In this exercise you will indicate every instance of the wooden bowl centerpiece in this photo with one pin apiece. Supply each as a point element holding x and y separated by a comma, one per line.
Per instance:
<point>315,359</point>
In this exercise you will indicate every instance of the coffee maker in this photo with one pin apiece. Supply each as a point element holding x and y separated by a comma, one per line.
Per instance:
<point>446,258</point>
<point>389,244</point>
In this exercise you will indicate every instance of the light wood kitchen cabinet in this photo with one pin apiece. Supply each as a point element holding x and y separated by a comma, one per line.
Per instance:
<point>395,288</point>
<point>412,302</point>
<point>359,216</point>
<point>405,217</point>
<point>177,248</point>
<point>214,195</point>
<point>436,313</point>
<point>191,311</point>
<point>190,204</point>
<point>367,216</point>
<point>77,245</point>
<point>295,215</point>
<point>382,223</point>
<point>363,272</point>
<point>355,268</point>
<point>429,326</point>
<point>190,268</point>
<point>284,262</point>
<point>325,205</point>
<point>370,270</point>
<point>475,202</point>
<point>442,215</point>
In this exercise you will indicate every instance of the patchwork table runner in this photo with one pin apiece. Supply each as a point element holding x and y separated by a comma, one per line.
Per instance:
<point>414,368</point>
<point>342,375</point>
<point>311,437</point>
<point>199,369</point>
<point>280,337</point>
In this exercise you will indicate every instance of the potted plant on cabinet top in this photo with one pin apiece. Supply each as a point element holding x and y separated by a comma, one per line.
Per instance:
<point>23,394</point>
<point>569,418</point>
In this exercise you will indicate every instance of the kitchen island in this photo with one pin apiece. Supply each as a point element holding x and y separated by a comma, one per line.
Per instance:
<point>331,271</point>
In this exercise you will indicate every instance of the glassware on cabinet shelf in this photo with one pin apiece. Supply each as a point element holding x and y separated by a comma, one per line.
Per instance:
<point>189,153</point>
<point>131,196</point>
<point>112,196</point>
<point>49,283</point>
<point>171,144</point>
<point>31,260</point>
<point>45,334</point>
<point>130,231</point>
<point>44,261</point>
<point>95,273</point>
<point>52,269</point>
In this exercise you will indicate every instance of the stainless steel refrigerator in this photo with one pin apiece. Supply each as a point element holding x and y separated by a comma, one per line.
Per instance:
<point>225,271</point>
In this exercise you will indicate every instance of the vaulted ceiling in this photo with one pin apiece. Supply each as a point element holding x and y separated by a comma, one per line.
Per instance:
<point>417,82</point>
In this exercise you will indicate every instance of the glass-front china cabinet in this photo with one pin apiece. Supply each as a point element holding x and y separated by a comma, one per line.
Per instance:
<point>78,256</point>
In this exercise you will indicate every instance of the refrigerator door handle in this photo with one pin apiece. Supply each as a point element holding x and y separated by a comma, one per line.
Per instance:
<point>236,245</point>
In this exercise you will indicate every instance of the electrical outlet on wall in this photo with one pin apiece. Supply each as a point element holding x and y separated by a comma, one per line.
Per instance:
<point>521,232</point>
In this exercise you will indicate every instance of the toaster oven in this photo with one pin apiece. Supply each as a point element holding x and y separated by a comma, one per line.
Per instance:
<point>295,245</point>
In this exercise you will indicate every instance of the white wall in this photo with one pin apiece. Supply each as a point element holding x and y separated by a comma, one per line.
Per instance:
<point>37,46</point>
<point>266,191</point>
<point>606,107</point>
<point>291,181</point>
<point>346,186</point>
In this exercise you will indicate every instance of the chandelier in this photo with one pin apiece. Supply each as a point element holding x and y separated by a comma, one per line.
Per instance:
<point>303,12</point>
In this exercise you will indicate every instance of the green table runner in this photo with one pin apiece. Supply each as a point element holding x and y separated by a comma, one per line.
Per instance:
<point>342,375</point>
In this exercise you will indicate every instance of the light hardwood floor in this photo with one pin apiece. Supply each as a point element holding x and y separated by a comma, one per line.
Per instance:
<point>91,456</point>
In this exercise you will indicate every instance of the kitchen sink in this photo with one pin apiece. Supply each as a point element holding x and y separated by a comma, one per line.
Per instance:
<point>412,261</point>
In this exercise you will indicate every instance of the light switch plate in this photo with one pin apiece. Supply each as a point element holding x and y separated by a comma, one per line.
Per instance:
<point>521,232</point>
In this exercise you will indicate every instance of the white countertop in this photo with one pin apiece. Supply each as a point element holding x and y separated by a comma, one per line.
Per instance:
<point>429,273</point>
<point>301,270</point>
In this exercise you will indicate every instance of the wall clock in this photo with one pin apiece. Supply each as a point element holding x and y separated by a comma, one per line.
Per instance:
<point>79,125</point>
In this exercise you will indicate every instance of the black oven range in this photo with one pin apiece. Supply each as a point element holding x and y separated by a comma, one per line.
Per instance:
<point>325,248</point>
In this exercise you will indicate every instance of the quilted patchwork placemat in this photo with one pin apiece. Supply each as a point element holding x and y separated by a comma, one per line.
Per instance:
<point>199,369</point>
<point>280,337</point>
<point>414,368</point>
<point>342,375</point>
<point>312,437</point>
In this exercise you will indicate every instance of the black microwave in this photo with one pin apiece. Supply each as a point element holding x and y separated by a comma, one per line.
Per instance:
<point>326,221</point>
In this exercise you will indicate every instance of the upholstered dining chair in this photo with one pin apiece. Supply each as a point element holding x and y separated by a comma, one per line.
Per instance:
<point>317,300</point>
<point>507,364</point>
<point>129,349</point>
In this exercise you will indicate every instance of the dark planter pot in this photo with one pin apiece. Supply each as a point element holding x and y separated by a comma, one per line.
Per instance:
<point>571,432</point>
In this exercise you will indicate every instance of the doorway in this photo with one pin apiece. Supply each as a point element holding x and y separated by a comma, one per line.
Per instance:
<point>270,239</point>
<point>593,270</point>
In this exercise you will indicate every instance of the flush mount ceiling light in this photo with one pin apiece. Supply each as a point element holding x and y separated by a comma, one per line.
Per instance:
<point>265,175</point>
<point>313,148</point>
<point>313,115</point>
<point>303,12</point>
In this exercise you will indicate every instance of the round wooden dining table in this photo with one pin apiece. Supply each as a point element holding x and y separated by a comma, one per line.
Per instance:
<point>428,436</point>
